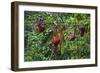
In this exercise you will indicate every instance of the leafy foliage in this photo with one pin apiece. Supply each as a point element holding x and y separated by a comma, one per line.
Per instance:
<point>39,46</point>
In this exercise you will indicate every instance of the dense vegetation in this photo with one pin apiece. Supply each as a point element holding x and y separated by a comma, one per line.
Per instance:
<point>56,36</point>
